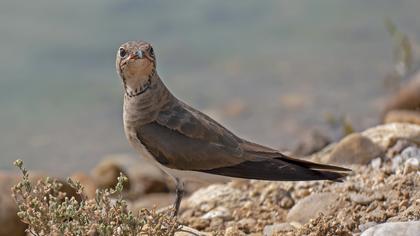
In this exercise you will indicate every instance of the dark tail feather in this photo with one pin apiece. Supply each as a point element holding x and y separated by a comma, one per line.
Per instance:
<point>282,168</point>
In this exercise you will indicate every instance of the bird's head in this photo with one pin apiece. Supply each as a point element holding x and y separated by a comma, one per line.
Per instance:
<point>136,63</point>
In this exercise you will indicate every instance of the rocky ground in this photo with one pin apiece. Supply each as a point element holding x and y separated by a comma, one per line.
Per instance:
<point>386,189</point>
<point>382,192</point>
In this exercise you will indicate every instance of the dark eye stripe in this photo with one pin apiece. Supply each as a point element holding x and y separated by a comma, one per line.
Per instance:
<point>151,52</point>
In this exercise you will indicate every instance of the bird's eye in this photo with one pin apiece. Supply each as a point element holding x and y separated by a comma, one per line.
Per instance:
<point>151,52</point>
<point>122,52</point>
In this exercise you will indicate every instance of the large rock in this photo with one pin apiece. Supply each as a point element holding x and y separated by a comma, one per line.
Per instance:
<point>213,193</point>
<point>394,229</point>
<point>353,149</point>
<point>309,207</point>
<point>144,178</point>
<point>381,138</point>
<point>387,135</point>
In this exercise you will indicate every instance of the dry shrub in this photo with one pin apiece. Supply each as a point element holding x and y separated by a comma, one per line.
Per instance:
<point>47,211</point>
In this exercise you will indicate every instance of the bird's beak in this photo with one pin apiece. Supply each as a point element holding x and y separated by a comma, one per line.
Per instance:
<point>133,57</point>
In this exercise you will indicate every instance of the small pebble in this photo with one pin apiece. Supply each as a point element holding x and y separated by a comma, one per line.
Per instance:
<point>287,202</point>
<point>410,152</point>
<point>376,163</point>
<point>361,199</point>
<point>411,165</point>
<point>220,212</point>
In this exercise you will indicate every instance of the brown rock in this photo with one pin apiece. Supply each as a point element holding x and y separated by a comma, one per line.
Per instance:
<point>387,135</point>
<point>87,182</point>
<point>354,149</point>
<point>105,174</point>
<point>402,116</point>
<point>144,178</point>
<point>309,207</point>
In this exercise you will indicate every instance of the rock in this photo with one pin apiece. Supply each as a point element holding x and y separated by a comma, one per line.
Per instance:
<point>247,224</point>
<point>87,182</point>
<point>277,229</point>
<point>233,231</point>
<point>10,223</point>
<point>399,146</point>
<point>402,116</point>
<point>187,231</point>
<point>376,163</point>
<point>213,193</point>
<point>144,177</point>
<point>395,229</point>
<point>310,206</point>
<point>312,142</point>
<point>361,199</point>
<point>218,212</point>
<point>411,165</point>
<point>105,174</point>
<point>387,135</point>
<point>286,202</point>
<point>410,152</point>
<point>353,149</point>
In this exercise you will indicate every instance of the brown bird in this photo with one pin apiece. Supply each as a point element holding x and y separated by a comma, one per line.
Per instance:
<point>182,139</point>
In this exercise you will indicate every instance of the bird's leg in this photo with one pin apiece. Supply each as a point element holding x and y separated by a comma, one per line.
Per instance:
<point>179,194</point>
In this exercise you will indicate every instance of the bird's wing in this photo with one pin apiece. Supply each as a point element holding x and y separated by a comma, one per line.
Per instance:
<point>183,138</point>
<point>186,139</point>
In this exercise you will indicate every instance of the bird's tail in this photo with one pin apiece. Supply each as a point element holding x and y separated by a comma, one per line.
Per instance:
<point>282,168</point>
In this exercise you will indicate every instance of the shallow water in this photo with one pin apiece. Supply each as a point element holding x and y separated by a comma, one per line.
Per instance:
<point>284,64</point>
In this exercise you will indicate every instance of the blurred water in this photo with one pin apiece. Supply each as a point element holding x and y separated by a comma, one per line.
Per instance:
<point>287,62</point>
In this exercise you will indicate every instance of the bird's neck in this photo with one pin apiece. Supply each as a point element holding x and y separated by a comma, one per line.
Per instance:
<point>144,105</point>
<point>137,86</point>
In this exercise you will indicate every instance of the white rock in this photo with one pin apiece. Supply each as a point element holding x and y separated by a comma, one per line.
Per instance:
<point>218,212</point>
<point>376,163</point>
<point>411,165</point>
<point>213,193</point>
<point>394,229</point>
<point>410,152</point>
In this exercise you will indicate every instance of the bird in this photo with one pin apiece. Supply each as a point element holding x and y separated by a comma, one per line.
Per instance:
<point>179,138</point>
